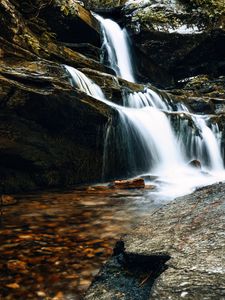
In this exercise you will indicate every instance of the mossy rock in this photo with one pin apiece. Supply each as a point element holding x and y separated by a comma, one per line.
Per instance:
<point>181,37</point>
<point>97,4</point>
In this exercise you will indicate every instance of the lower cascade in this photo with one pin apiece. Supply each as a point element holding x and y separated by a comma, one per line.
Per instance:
<point>150,144</point>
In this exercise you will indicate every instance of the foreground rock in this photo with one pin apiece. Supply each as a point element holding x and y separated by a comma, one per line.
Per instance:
<point>183,241</point>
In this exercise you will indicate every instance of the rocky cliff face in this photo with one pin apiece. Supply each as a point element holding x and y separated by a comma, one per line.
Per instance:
<point>182,38</point>
<point>49,131</point>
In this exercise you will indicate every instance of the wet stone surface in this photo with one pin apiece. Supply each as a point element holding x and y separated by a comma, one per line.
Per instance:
<point>53,244</point>
<point>189,232</point>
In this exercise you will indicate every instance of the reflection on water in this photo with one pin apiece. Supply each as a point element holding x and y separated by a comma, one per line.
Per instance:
<point>52,244</point>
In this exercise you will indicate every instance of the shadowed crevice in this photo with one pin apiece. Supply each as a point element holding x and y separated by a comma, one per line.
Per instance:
<point>127,276</point>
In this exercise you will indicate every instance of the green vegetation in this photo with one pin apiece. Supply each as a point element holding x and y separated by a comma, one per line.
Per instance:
<point>68,7</point>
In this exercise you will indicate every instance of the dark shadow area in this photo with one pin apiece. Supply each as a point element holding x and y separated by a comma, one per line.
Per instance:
<point>129,275</point>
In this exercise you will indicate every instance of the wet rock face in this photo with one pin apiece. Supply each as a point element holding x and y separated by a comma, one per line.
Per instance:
<point>187,237</point>
<point>202,94</point>
<point>48,131</point>
<point>32,38</point>
<point>182,39</point>
<point>70,22</point>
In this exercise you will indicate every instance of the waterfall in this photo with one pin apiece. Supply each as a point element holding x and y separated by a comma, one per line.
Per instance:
<point>146,98</point>
<point>204,146</point>
<point>202,143</point>
<point>145,138</point>
<point>156,132</point>
<point>211,144</point>
<point>83,83</point>
<point>116,45</point>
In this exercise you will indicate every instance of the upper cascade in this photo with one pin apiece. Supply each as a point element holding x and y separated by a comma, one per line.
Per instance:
<point>116,44</point>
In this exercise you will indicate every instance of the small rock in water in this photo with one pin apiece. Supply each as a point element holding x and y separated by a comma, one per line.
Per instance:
<point>195,163</point>
<point>136,183</point>
<point>59,296</point>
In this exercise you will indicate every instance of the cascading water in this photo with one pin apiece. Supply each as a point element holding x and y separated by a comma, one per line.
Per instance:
<point>211,144</point>
<point>145,136</point>
<point>202,143</point>
<point>116,45</point>
<point>83,83</point>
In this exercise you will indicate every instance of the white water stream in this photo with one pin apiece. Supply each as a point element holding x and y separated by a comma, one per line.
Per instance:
<point>165,153</point>
<point>116,44</point>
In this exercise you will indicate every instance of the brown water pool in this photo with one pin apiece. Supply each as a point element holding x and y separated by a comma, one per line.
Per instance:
<point>52,244</point>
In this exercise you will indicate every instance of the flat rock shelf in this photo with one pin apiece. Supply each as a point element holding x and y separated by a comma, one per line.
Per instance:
<point>175,253</point>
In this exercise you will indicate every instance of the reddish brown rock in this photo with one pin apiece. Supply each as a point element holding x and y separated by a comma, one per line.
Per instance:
<point>137,183</point>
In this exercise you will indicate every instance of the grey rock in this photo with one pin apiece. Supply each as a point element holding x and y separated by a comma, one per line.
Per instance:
<point>189,230</point>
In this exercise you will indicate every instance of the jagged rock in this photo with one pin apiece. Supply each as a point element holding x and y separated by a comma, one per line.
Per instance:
<point>202,94</point>
<point>22,38</point>
<point>86,49</point>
